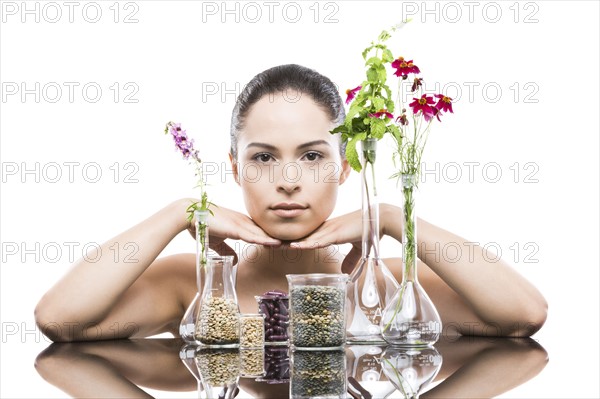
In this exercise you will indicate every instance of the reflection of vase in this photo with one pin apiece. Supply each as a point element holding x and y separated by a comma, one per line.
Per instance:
<point>365,372</point>
<point>411,369</point>
<point>410,318</point>
<point>187,327</point>
<point>219,371</point>
<point>371,284</point>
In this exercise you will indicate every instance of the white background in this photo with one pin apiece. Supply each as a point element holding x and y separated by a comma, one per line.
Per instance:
<point>541,123</point>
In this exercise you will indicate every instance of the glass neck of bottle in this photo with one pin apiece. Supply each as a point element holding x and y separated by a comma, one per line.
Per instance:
<point>201,245</point>
<point>370,204</point>
<point>219,278</point>
<point>409,228</point>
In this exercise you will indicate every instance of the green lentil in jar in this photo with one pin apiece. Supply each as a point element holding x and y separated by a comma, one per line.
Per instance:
<point>317,316</point>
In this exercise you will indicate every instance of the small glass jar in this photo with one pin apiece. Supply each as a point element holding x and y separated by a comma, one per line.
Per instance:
<point>275,308</point>
<point>252,331</point>
<point>317,311</point>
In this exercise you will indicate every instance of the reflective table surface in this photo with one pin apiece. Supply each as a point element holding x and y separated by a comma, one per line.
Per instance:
<point>459,367</point>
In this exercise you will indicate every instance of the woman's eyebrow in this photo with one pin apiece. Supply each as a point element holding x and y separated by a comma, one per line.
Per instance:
<point>313,143</point>
<point>301,146</point>
<point>262,145</point>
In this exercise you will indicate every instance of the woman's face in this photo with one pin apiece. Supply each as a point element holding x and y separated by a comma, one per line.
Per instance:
<point>289,166</point>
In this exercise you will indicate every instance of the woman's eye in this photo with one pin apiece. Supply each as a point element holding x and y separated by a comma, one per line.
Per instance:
<point>263,157</point>
<point>313,156</point>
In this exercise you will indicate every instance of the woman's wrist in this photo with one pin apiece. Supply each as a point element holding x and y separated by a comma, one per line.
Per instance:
<point>178,214</point>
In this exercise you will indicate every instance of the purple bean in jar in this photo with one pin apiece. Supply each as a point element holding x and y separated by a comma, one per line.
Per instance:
<point>274,306</point>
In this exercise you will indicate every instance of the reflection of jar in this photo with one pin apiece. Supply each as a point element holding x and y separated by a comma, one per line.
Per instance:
<point>252,362</point>
<point>219,323</point>
<point>318,374</point>
<point>275,309</point>
<point>317,310</point>
<point>277,365</point>
<point>218,368</point>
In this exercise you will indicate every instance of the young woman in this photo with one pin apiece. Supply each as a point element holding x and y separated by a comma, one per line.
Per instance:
<point>282,117</point>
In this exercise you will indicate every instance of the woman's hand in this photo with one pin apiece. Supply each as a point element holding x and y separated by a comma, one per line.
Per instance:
<point>336,231</point>
<point>226,223</point>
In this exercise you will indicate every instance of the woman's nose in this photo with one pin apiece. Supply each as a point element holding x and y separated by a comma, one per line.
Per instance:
<point>289,178</point>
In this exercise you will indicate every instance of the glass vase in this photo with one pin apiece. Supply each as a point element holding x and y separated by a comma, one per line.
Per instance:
<point>371,285</point>
<point>411,369</point>
<point>187,327</point>
<point>218,323</point>
<point>410,318</point>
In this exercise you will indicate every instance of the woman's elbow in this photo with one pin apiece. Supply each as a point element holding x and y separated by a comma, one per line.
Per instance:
<point>531,319</point>
<point>52,325</point>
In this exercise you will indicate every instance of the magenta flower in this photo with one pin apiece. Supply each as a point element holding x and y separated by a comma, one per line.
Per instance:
<point>351,93</point>
<point>424,104</point>
<point>402,119</point>
<point>184,144</point>
<point>416,84</point>
<point>444,103</point>
<point>403,67</point>
<point>380,113</point>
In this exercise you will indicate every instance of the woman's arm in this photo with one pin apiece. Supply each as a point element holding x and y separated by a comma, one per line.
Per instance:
<point>103,297</point>
<point>118,368</point>
<point>474,293</point>
<point>483,294</point>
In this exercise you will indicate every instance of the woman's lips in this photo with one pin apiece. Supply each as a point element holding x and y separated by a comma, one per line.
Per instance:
<point>288,210</point>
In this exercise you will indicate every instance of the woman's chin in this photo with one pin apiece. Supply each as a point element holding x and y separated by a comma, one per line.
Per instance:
<point>288,233</point>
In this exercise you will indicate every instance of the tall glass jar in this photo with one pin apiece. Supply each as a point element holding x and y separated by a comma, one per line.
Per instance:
<point>218,323</point>
<point>371,285</point>
<point>187,327</point>
<point>317,311</point>
<point>410,318</point>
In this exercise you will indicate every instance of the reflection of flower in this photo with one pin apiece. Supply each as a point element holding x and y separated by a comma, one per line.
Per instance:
<point>185,145</point>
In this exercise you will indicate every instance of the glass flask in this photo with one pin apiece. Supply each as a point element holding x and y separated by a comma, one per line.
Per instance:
<point>187,327</point>
<point>317,310</point>
<point>218,323</point>
<point>371,285</point>
<point>411,369</point>
<point>410,318</point>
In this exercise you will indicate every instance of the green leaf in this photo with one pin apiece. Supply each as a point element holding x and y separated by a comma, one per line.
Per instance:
<point>373,61</point>
<point>381,73</point>
<point>377,128</point>
<point>339,129</point>
<point>378,103</point>
<point>395,132</point>
<point>352,154</point>
<point>373,75</point>
<point>387,56</point>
